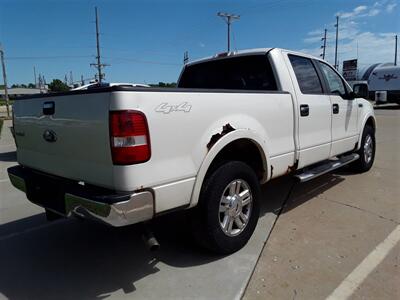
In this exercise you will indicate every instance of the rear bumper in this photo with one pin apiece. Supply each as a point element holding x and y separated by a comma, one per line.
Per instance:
<point>68,198</point>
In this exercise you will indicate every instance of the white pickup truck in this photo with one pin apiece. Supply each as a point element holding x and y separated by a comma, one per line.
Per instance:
<point>124,155</point>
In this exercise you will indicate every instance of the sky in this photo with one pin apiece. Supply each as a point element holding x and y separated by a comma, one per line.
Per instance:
<point>144,41</point>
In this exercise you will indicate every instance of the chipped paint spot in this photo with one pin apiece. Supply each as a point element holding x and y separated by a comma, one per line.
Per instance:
<point>225,129</point>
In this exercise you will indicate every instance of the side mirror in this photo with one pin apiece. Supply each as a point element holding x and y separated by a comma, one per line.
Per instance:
<point>351,95</point>
<point>361,90</point>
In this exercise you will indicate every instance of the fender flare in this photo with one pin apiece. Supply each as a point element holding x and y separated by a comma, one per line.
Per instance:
<point>218,146</point>
<point>364,122</point>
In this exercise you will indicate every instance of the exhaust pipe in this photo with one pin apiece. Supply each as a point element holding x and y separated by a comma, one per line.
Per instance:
<point>150,240</point>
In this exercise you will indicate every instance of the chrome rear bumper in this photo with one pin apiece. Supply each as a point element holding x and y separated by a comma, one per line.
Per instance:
<point>66,198</point>
<point>137,209</point>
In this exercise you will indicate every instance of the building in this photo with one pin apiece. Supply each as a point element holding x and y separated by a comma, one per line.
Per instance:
<point>17,92</point>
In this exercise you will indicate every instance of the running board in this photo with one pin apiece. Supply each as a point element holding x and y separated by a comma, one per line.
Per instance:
<point>326,167</point>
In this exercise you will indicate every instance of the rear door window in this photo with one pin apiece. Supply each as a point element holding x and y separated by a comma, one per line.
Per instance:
<point>306,75</point>
<point>252,72</point>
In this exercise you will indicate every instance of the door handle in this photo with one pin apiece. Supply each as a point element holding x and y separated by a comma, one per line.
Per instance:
<point>304,110</point>
<point>335,108</point>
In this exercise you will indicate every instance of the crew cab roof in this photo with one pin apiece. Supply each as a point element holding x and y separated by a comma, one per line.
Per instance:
<point>245,52</point>
<point>230,54</point>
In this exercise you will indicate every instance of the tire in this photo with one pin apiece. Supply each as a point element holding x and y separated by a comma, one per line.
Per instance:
<point>226,187</point>
<point>366,151</point>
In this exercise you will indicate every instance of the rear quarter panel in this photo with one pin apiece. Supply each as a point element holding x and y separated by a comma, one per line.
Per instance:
<point>179,138</point>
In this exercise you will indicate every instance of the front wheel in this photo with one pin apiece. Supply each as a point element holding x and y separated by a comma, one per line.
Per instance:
<point>228,208</point>
<point>366,151</point>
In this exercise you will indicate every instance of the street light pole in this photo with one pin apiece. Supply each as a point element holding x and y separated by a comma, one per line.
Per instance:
<point>228,18</point>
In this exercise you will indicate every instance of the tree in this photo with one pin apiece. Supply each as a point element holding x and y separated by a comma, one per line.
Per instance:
<point>58,86</point>
<point>19,86</point>
<point>31,85</point>
<point>163,84</point>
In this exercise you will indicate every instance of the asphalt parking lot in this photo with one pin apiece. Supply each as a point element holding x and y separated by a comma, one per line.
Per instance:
<point>325,243</point>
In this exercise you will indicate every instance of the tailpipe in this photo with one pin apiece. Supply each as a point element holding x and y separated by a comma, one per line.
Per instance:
<point>150,240</point>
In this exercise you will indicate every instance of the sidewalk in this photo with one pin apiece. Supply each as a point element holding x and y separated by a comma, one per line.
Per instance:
<point>3,110</point>
<point>6,137</point>
<point>327,236</point>
<point>7,149</point>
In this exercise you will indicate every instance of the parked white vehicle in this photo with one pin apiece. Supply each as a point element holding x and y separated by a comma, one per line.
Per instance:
<point>382,86</point>
<point>96,84</point>
<point>124,155</point>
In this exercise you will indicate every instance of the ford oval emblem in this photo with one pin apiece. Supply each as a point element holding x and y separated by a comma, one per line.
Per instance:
<point>50,136</point>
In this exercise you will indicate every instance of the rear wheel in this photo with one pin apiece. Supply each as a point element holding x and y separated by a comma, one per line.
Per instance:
<point>228,208</point>
<point>366,151</point>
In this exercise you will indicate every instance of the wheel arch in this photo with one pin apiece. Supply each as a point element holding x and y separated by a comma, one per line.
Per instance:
<point>241,144</point>
<point>369,120</point>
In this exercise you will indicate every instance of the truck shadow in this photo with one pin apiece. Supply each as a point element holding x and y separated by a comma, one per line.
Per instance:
<point>71,259</point>
<point>8,156</point>
<point>387,107</point>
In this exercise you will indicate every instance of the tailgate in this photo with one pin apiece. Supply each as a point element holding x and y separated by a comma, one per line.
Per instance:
<point>73,142</point>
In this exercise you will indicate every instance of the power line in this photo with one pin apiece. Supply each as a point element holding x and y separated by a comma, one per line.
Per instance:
<point>46,57</point>
<point>228,18</point>
<point>263,7</point>
<point>151,62</point>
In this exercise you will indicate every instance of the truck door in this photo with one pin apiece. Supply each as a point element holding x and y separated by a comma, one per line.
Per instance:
<point>314,111</point>
<point>344,111</point>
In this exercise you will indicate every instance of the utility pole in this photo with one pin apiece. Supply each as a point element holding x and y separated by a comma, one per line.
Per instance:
<point>336,46</point>
<point>5,81</point>
<point>40,83</point>
<point>34,75</point>
<point>228,18</point>
<point>185,57</point>
<point>395,50</point>
<point>323,47</point>
<point>98,64</point>
<point>71,79</point>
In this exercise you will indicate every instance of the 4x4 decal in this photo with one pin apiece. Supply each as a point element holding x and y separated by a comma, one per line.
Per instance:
<point>167,108</point>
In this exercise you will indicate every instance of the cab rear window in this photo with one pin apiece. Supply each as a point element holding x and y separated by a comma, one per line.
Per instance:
<point>252,72</point>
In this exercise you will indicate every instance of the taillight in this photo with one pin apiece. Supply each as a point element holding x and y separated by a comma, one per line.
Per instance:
<point>130,140</point>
